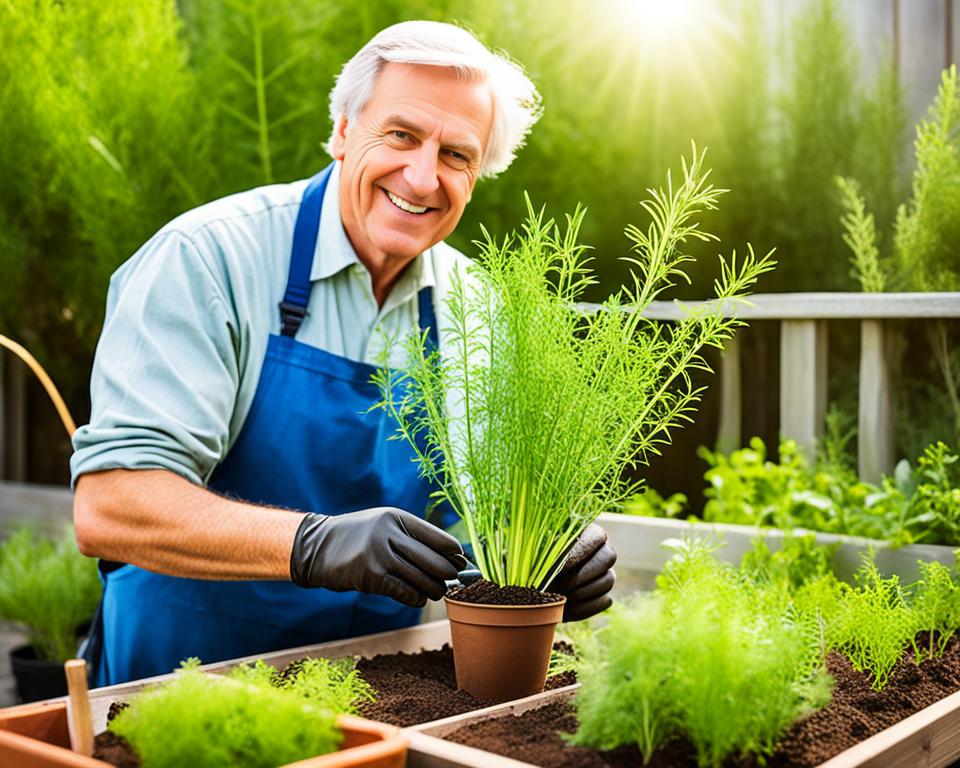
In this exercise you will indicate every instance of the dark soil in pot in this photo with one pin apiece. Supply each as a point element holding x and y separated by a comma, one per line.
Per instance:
<point>484,592</point>
<point>411,688</point>
<point>855,713</point>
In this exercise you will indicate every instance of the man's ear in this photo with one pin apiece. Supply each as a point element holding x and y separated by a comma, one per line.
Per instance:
<point>339,143</point>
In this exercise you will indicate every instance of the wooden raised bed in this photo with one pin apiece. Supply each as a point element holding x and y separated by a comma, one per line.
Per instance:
<point>640,556</point>
<point>36,736</point>
<point>930,738</point>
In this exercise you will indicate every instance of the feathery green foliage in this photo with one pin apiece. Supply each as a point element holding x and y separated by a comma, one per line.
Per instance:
<point>534,409</point>
<point>711,656</point>
<point>860,235</point>
<point>935,601</point>
<point>50,588</point>
<point>875,624</point>
<point>253,717</point>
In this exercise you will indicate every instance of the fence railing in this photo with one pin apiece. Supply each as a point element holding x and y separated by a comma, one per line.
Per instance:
<point>803,319</point>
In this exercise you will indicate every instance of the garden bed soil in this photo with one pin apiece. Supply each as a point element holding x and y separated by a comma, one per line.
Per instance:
<point>411,688</point>
<point>855,713</point>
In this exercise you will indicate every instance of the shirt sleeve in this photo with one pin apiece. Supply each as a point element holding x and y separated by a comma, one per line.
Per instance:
<point>166,371</point>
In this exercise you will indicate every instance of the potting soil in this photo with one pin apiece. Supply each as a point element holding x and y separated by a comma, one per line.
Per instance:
<point>855,712</point>
<point>485,592</point>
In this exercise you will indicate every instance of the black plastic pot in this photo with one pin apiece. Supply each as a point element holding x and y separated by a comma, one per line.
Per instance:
<point>36,678</point>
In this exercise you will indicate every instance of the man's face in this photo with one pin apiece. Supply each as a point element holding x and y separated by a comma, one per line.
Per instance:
<point>410,160</point>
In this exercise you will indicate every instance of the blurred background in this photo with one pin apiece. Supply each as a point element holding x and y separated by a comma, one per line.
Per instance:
<point>116,116</point>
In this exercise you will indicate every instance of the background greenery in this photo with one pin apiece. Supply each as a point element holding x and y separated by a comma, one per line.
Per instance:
<point>118,115</point>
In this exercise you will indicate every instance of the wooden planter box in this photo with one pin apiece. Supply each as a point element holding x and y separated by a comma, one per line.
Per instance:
<point>930,738</point>
<point>35,736</point>
<point>422,637</point>
<point>640,555</point>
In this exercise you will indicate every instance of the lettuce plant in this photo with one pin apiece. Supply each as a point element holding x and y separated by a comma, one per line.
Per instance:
<point>535,408</point>
<point>252,718</point>
<point>48,587</point>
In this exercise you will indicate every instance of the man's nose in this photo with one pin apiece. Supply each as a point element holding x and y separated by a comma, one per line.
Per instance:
<point>421,171</point>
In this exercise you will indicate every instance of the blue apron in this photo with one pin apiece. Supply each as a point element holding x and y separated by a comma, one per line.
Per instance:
<point>308,443</point>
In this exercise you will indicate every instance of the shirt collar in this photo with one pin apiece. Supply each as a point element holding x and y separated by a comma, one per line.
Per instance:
<point>334,252</point>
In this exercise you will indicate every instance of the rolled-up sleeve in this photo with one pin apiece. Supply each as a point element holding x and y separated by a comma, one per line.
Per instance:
<point>166,370</point>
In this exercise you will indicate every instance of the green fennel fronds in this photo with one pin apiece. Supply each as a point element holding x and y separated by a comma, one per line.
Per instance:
<point>253,717</point>
<point>47,586</point>
<point>534,409</point>
<point>860,234</point>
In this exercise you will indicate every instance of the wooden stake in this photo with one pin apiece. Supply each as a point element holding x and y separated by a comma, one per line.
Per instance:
<point>79,721</point>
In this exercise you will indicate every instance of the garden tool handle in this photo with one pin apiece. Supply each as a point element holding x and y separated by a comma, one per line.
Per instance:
<point>79,721</point>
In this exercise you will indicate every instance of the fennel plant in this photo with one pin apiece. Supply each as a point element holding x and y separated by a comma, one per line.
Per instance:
<point>530,416</point>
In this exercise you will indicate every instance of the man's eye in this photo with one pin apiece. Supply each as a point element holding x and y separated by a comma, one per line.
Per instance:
<point>458,158</point>
<point>402,135</point>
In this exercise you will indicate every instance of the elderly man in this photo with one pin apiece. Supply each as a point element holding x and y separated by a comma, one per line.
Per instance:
<point>231,459</point>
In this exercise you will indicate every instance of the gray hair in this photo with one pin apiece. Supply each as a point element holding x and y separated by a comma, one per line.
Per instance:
<point>516,102</point>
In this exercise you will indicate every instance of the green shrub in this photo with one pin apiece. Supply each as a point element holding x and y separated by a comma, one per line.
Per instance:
<point>48,587</point>
<point>251,718</point>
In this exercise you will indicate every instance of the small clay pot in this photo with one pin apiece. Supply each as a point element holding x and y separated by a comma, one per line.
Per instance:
<point>501,652</point>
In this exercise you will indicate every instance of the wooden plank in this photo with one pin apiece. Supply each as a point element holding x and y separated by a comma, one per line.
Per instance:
<point>728,430</point>
<point>871,25</point>
<point>930,738</point>
<point>922,53</point>
<point>876,434</point>
<point>432,752</point>
<point>47,507</point>
<point>803,381</point>
<point>817,306</point>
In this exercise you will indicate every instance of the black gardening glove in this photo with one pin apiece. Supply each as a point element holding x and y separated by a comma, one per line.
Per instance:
<point>383,551</point>
<point>587,575</point>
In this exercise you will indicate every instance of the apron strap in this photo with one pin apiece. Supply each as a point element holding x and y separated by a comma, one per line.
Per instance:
<point>293,308</point>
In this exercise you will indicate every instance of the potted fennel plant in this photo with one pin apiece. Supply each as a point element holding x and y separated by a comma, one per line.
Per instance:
<point>527,420</point>
<point>50,590</point>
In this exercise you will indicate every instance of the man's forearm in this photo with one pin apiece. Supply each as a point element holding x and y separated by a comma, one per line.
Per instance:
<point>162,522</point>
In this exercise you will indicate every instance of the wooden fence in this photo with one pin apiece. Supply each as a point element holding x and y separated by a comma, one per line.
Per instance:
<point>803,319</point>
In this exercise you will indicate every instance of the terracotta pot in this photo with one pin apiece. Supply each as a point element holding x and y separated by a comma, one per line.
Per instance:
<point>502,652</point>
<point>35,736</point>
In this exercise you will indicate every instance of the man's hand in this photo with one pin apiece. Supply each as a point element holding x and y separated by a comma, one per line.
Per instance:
<point>383,551</point>
<point>587,575</point>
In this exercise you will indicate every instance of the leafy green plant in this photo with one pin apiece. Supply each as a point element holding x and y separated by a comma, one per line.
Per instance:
<point>535,409</point>
<point>797,561</point>
<point>253,717</point>
<point>50,588</point>
<point>710,656</point>
<point>648,503</point>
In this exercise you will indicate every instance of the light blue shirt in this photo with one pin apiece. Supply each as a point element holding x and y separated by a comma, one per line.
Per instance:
<point>189,315</point>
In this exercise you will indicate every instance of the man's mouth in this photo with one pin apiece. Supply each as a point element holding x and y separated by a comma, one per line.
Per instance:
<point>406,205</point>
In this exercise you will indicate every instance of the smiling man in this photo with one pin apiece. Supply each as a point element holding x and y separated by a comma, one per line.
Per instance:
<point>241,495</point>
